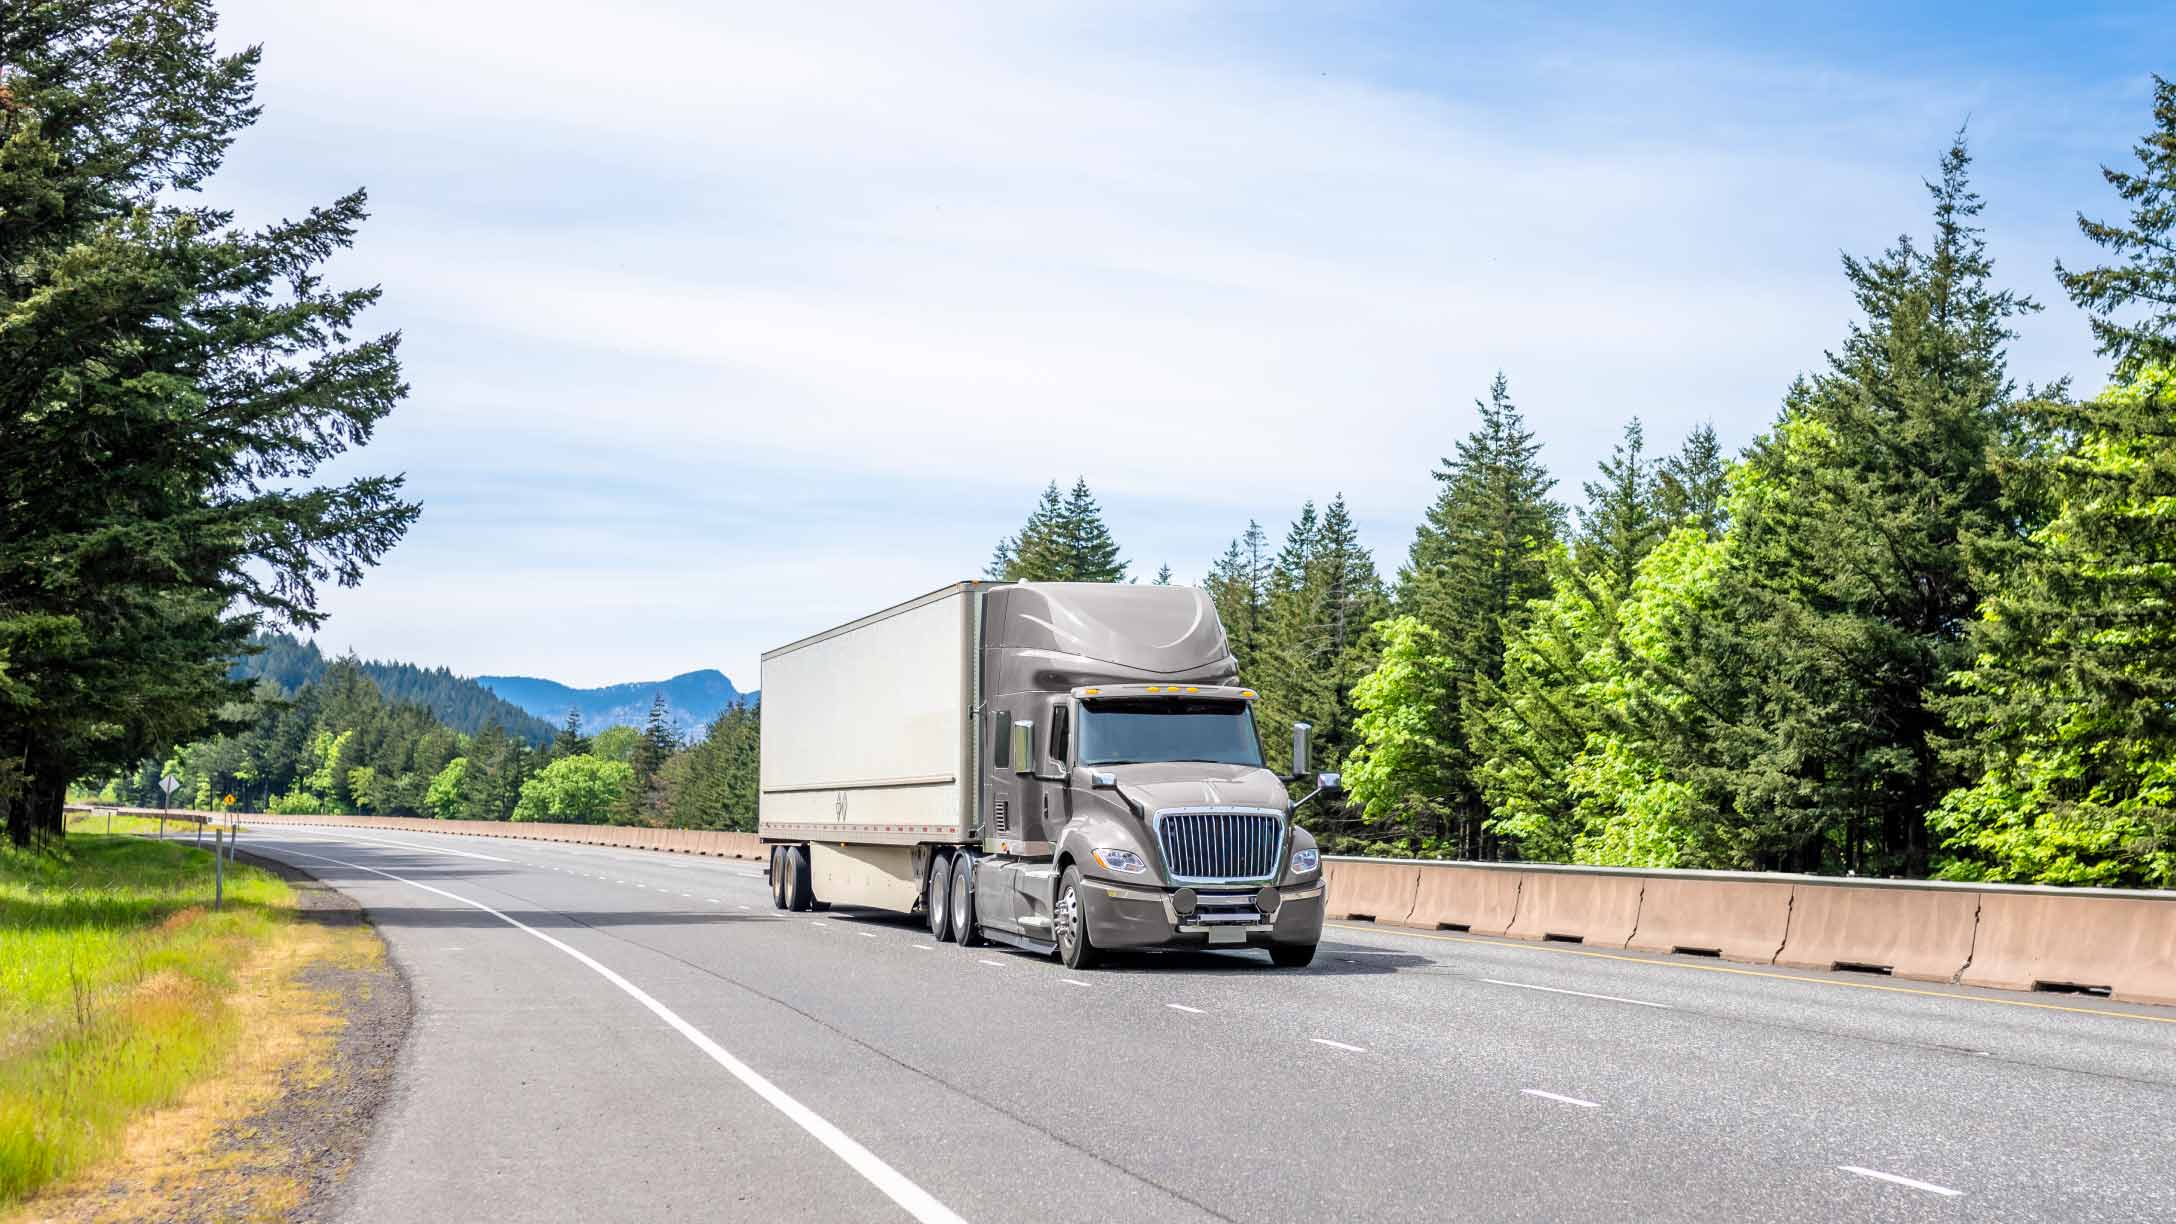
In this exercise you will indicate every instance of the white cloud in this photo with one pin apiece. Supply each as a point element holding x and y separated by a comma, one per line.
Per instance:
<point>962,250</point>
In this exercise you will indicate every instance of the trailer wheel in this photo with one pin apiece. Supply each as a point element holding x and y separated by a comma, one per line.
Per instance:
<point>1291,956</point>
<point>939,901</point>
<point>778,877</point>
<point>1070,924</point>
<point>798,892</point>
<point>963,902</point>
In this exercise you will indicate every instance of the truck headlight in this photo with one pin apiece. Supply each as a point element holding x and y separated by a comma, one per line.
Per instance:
<point>1305,860</point>
<point>1122,860</point>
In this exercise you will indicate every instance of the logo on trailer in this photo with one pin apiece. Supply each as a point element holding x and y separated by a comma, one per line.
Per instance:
<point>839,808</point>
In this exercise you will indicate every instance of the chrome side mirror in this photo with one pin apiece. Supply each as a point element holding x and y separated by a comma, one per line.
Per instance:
<point>1302,733</point>
<point>1330,783</point>
<point>1102,781</point>
<point>1023,746</point>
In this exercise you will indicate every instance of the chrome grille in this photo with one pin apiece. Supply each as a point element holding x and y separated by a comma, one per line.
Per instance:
<point>1217,845</point>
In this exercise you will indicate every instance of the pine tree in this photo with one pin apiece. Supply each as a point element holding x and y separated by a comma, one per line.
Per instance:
<point>1477,561</point>
<point>1325,599</point>
<point>174,386</point>
<point>1850,589</point>
<point>1692,485</point>
<point>1091,555</point>
<point>570,741</point>
<point>1163,576</point>
<point>1622,520</point>
<point>657,744</point>
<point>2145,276</point>
<point>2068,715</point>
<point>1064,540</point>
<point>1529,728</point>
<point>1238,584</point>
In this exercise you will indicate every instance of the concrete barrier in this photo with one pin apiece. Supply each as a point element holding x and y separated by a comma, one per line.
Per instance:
<point>1376,891</point>
<point>1736,920</point>
<point>1920,933</point>
<point>1598,910</point>
<point>1478,899</point>
<point>2037,941</point>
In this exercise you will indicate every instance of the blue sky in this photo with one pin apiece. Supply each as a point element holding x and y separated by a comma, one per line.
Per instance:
<point>730,322</point>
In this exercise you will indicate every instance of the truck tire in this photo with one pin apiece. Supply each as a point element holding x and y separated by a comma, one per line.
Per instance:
<point>964,931</point>
<point>1291,956</point>
<point>1069,924</point>
<point>798,892</point>
<point>938,899</point>
<point>778,877</point>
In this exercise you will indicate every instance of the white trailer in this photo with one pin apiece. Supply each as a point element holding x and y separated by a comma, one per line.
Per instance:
<point>868,747</point>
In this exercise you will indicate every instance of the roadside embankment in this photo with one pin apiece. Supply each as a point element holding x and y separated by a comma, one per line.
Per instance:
<point>150,1045</point>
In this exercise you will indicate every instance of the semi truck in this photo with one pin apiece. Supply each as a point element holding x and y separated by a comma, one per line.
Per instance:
<point>1068,768</point>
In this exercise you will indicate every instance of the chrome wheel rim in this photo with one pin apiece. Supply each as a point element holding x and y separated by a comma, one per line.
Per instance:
<point>959,904</point>
<point>1068,918</point>
<point>940,900</point>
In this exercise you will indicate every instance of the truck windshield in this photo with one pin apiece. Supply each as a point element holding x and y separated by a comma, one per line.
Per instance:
<point>1129,730</point>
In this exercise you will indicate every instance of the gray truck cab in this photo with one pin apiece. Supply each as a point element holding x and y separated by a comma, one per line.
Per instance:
<point>1124,800</point>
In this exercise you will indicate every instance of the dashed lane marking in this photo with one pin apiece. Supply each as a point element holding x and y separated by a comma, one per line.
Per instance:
<point>1581,993</point>
<point>1338,1045</point>
<point>1551,1096</point>
<point>1913,1182</point>
<point>1191,1011</point>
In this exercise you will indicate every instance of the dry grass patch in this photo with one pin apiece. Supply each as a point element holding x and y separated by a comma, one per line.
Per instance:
<point>147,1028</point>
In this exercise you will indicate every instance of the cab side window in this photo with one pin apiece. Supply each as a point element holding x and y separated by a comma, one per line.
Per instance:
<point>1058,732</point>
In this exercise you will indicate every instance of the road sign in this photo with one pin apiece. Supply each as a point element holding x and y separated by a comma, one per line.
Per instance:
<point>168,783</point>
<point>229,800</point>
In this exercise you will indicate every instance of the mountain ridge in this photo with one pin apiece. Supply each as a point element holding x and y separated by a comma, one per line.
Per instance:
<point>457,701</point>
<point>692,699</point>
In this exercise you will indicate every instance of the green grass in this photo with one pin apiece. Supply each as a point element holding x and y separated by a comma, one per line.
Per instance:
<point>114,976</point>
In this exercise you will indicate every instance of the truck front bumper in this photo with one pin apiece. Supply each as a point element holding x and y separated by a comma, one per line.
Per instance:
<point>1122,916</point>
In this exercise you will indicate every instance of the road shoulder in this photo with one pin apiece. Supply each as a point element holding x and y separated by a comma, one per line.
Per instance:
<point>275,1134</point>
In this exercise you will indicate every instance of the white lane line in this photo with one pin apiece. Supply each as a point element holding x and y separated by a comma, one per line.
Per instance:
<point>1191,1011</point>
<point>992,962</point>
<point>1337,1045</point>
<point>924,947</point>
<point>403,845</point>
<point>1551,1096</point>
<point>713,900</point>
<point>743,907</point>
<point>689,896</point>
<point>1073,981</point>
<point>1581,993</point>
<point>818,922</point>
<point>1913,1182</point>
<point>868,934</point>
<point>917,1202</point>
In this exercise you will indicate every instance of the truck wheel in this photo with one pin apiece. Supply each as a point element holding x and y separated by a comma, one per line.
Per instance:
<point>797,885</point>
<point>778,877</point>
<point>1291,956</point>
<point>939,899</point>
<point>963,902</point>
<point>1070,925</point>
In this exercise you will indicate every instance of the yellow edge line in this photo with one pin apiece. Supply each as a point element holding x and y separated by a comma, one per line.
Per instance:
<point>1508,942</point>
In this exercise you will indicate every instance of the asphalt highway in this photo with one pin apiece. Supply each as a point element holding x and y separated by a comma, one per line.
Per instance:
<point>626,1035</point>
